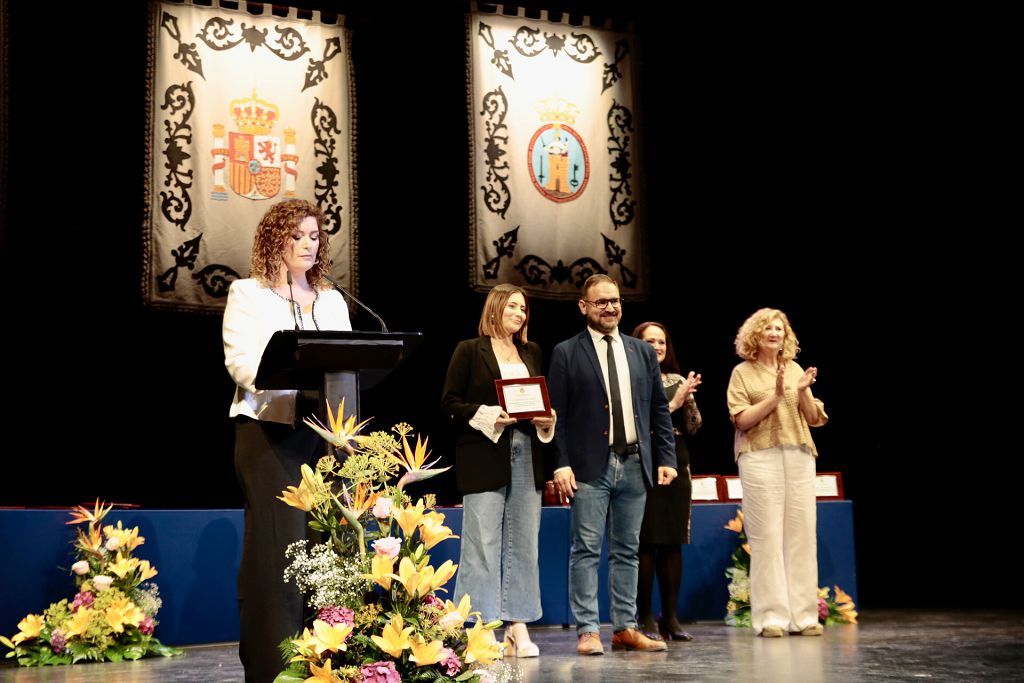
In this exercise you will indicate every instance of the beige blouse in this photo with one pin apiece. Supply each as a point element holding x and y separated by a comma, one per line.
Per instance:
<point>750,383</point>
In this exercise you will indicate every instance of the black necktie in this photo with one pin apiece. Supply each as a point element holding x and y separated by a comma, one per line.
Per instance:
<point>618,424</point>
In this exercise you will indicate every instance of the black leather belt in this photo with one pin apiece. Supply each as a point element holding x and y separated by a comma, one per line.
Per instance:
<point>630,450</point>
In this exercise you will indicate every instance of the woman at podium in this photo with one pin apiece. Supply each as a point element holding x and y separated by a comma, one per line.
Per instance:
<point>772,407</point>
<point>499,469</point>
<point>285,290</point>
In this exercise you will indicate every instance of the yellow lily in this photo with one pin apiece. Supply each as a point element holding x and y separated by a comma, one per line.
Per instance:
<point>147,572</point>
<point>426,580</point>
<point>81,514</point>
<point>79,623</point>
<point>394,639</point>
<point>322,674</point>
<point>299,497</point>
<point>127,538</point>
<point>330,638</point>
<point>304,645</point>
<point>481,646</point>
<point>456,615</point>
<point>424,653</point>
<point>736,523</point>
<point>413,462</point>
<point>123,612</point>
<point>409,518</point>
<point>746,546</point>
<point>30,627</point>
<point>842,596</point>
<point>433,531</point>
<point>123,566</point>
<point>823,593</point>
<point>382,570</point>
<point>342,430</point>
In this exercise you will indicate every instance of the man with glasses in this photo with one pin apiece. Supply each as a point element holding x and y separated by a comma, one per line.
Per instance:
<point>613,426</point>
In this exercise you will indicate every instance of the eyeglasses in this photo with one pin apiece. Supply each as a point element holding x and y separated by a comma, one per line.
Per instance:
<point>605,303</point>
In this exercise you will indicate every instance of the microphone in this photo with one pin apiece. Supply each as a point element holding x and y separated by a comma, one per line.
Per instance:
<point>345,292</point>
<point>291,295</point>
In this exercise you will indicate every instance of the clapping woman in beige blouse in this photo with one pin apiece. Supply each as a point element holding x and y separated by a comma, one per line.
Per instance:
<point>772,406</point>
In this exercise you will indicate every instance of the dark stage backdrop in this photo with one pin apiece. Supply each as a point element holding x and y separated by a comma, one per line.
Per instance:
<point>782,170</point>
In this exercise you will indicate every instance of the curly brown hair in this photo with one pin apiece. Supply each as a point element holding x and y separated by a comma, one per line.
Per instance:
<point>272,235</point>
<point>748,337</point>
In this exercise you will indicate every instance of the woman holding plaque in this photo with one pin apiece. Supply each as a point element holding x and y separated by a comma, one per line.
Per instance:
<point>666,525</point>
<point>285,290</point>
<point>772,407</point>
<point>499,469</point>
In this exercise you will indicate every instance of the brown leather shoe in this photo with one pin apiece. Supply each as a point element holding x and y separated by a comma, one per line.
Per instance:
<point>631,639</point>
<point>589,644</point>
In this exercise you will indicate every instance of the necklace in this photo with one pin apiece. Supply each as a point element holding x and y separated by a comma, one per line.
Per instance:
<point>297,310</point>
<point>506,356</point>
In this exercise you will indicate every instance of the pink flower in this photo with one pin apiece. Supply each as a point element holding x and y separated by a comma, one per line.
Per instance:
<point>382,508</point>
<point>336,615</point>
<point>146,626</point>
<point>81,567</point>
<point>822,609</point>
<point>388,546</point>
<point>380,672</point>
<point>83,599</point>
<point>451,661</point>
<point>57,641</point>
<point>431,600</point>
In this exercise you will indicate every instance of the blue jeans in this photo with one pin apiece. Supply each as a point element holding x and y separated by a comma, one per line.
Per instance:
<point>615,500</point>
<point>500,529</point>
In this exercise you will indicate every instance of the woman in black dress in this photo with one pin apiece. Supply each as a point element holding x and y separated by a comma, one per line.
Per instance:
<point>666,523</point>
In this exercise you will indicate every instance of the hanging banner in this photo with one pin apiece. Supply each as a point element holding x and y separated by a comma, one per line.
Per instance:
<point>555,152</point>
<point>244,111</point>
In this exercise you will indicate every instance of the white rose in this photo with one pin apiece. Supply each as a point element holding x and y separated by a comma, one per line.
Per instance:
<point>102,583</point>
<point>113,544</point>
<point>81,567</point>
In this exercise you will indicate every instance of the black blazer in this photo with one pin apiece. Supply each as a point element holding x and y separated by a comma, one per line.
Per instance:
<point>480,464</point>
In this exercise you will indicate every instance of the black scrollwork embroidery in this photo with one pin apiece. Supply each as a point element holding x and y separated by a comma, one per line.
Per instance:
<point>580,47</point>
<point>184,257</point>
<point>216,279</point>
<point>621,206</point>
<point>500,57</point>
<point>506,246</point>
<point>497,196</point>
<point>186,52</point>
<point>612,74</point>
<point>615,255</point>
<point>325,126</point>
<point>537,271</point>
<point>316,72</point>
<point>175,202</point>
<point>221,34</point>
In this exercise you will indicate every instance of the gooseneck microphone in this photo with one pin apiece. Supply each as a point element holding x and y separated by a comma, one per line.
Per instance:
<point>345,292</point>
<point>291,296</point>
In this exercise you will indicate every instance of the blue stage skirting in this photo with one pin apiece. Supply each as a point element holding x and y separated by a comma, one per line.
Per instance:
<point>197,554</point>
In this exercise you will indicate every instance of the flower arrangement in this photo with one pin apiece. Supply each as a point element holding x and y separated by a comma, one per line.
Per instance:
<point>111,617</point>
<point>378,618</point>
<point>832,609</point>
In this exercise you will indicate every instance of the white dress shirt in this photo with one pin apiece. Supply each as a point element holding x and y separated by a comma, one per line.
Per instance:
<point>625,388</point>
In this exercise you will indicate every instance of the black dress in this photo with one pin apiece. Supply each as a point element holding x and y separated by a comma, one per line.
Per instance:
<point>667,516</point>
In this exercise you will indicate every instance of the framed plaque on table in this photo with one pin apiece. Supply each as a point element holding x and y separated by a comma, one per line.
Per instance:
<point>704,488</point>
<point>524,398</point>
<point>729,488</point>
<point>829,486</point>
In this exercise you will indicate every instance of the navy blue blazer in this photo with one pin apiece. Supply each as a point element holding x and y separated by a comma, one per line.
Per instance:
<point>578,393</point>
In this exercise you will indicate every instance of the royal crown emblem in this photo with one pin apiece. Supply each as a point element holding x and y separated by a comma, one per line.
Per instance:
<point>253,156</point>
